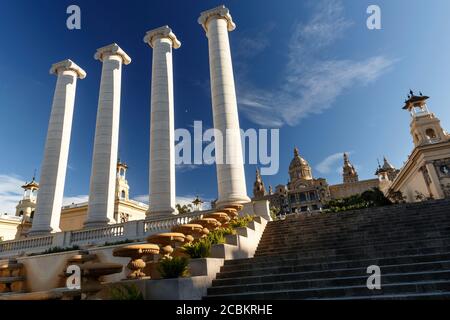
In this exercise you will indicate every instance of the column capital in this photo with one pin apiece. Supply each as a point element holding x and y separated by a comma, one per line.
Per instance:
<point>112,49</point>
<point>162,32</point>
<point>220,12</point>
<point>67,65</point>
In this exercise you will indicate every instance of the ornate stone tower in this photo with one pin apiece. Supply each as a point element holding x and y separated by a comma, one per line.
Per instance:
<point>349,173</point>
<point>122,187</point>
<point>299,168</point>
<point>27,205</point>
<point>425,126</point>
<point>259,190</point>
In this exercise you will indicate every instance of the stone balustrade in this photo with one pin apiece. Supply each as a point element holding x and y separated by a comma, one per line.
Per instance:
<point>133,230</point>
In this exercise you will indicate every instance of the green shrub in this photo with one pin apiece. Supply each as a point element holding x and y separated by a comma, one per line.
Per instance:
<point>241,222</point>
<point>368,199</point>
<point>218,236</point>
<point>173,268</point>
<point>125,292</point>
<point>126,241</point>
<point>198,249</point>
<point>56,250</point>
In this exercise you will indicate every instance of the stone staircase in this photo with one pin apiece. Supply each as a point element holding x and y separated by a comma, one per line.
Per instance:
<point>326,256</point>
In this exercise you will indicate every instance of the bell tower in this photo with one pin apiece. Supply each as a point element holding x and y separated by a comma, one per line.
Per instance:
<point>259,191</point>
<point>122,187</point>
<point>425,126</point>
<point>349,173</point>
<point>27,205</point>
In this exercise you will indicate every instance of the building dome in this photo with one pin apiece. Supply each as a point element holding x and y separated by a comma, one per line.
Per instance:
<point>299,168</point>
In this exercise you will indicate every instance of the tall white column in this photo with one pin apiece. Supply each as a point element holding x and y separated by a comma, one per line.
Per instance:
<point>230,170</point>
<point>162,131</point>
<point>53,171</point>
<point>104,162</point>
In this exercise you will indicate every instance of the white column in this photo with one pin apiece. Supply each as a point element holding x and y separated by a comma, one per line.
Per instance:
<point>53,170</point>
<point>104,162</point>
<point>162,150</point>
<point>230,172</point>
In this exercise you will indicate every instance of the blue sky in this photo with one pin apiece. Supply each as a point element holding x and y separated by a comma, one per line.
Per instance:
<point>310,68</point>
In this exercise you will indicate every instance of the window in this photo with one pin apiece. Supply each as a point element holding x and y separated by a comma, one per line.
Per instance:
<point>430,134</point>
<point>21,213</point>
<point>315,207</point>
<point>312,196</point>
<point>123,194</point>
<point>32,214</point>
<point>302,197</point>
<point>304,209</point>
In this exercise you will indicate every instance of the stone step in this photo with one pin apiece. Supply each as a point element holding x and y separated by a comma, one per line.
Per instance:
<point>325,256</point>
<point>337,244</point>
<point>330,218</point>
<point>330,263</point>
<point>401,234</point>
<point>342,257</point>
<point>317,270</point>
<point>415,220</point>
<point>296,227</point>
<point>374,248</point>
<point>340,279</point>
<point>442,286</point>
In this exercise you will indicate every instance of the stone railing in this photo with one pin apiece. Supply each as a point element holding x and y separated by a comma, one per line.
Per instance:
<point>151,226</point>
<point>109,232</point>
<point>136,230</point>
<point>25,244</point>
<point>132,230</point>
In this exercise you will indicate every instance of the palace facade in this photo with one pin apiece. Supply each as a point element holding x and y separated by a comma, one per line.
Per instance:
<point>425,175</point>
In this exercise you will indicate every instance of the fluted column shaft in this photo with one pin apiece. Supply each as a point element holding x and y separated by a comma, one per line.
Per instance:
<point>230,170</point>
<point>54,165</point>
<point>162,128</point>
<point>104,162</point>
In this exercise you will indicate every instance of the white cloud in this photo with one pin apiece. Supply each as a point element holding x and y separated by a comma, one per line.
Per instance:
<point>180,168</point>
<point>10,193</point>
<point>328,164</point>
<point>142,198</point>
<point>311,84</point>
<point>182,200</point>
<point>75,199</point>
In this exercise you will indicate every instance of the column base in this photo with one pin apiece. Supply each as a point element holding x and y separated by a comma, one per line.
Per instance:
<point>160,214</point>
<point>42,232</point>
<point>96,224</point>
<point>223,203</point>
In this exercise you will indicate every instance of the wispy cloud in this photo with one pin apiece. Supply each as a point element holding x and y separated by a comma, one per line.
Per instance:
<point>181,168</point>
<point>10,193</point>
<point>182,200</point>
<point>311,84</point>
<point>329,164</point>
<point>75,199</point>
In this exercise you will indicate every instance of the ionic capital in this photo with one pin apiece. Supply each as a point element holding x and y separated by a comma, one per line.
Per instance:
<point>162,32</point>
<point>67,65</point>
<point>112,49</point>
<point>220,12</point>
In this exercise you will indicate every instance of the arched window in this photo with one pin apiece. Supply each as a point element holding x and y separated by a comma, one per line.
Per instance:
<point>122,194</point>
<point>430,134</point>
<point>32,214</point>
<point>21,213</point>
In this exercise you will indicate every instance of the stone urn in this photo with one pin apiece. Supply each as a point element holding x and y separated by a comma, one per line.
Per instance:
<point>136,253</point>
<point>167,242</point>
<point>208,223</point>
<point>197,231</point>
<point>91,274</point>
<point>222,217</point>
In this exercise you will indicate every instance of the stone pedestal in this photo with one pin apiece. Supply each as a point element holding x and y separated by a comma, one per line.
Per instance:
<point>103,175</point>
<point>54,165</point>
<point>230,170</point>
<point>162,150</point>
